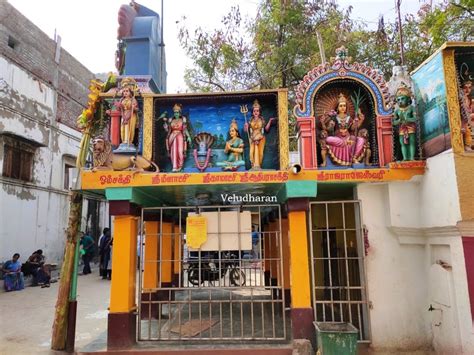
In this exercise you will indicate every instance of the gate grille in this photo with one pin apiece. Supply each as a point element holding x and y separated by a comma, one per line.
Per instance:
<point>337,255</point>
<point>211,295</point>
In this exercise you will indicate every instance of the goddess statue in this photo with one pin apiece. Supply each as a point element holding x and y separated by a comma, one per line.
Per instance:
<point>256,129</point>
<point>177,138</point>
<point>234,148</point>
<point>404,118</point>
<point>467,110</point>
<point>340,138</point>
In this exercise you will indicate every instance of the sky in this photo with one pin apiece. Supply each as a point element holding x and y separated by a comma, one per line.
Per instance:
<point>88,28</point>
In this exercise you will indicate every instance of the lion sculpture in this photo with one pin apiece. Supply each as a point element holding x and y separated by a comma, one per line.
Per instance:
<point>105,159</point>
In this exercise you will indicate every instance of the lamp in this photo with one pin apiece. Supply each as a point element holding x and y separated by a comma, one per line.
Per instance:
<point>296,169</point>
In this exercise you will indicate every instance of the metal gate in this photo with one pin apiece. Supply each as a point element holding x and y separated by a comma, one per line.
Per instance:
<point>221,292</point>
<point>338,272</point>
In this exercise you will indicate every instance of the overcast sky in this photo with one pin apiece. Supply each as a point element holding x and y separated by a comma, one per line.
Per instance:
<point>88,28</point>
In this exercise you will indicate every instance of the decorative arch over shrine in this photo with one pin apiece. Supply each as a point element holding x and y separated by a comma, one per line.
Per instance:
<point>341,69</point>
<point>324,73</point>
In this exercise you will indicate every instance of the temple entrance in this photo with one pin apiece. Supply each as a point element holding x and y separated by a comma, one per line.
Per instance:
<point>337,259</point>
<point>229,288</point>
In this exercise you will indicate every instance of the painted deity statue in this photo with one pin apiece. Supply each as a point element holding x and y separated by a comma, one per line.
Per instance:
<point>404,118</point>
<point>256,129</point>
<point>128,107</point>
<point>234,148</point>
<point>177,138</point>
<point>467,114</point>
<point>338,138</point>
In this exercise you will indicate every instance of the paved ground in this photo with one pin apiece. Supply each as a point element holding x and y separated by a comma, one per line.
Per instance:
<point>26,317</point>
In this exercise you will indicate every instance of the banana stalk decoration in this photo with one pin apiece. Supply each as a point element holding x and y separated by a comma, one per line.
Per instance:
<point>91,120</point>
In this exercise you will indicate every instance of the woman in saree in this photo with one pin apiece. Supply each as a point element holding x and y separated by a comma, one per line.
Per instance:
<point>177,137</point>
<point>257,129</point>
<point>344,147</point>
<point>234,148</point>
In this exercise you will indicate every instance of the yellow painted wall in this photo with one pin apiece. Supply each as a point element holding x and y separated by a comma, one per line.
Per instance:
<point>465,176</point>
<point>166,252</point>
<point>150,272</point>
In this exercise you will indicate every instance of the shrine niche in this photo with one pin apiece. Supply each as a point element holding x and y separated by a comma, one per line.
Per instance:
<point>344,116</point>
<point>220,132</point>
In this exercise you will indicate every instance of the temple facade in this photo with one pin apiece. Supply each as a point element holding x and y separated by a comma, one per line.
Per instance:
<point>373,228</point>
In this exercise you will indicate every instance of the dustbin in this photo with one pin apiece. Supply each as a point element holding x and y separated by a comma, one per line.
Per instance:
<point>336,338</point>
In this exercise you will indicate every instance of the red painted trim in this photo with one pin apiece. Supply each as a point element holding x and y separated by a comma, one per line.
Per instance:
<point>385,139</point>
<point>468,246</point>
<point>307,142</point>
<point>302,323</point>
<point>121,331</point>
<point>123,208</point>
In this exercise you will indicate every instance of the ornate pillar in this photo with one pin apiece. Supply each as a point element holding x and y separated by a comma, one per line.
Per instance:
<point>307,142</point>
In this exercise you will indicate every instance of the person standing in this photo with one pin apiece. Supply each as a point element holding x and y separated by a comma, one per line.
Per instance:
<point>105,248</point>
<point>102,271</point>
<point>87,244</point>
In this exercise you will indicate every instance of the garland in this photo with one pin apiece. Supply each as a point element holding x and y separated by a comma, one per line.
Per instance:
<point>206,162</point>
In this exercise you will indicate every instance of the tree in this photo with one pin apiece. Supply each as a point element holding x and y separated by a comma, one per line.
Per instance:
<point>423,33</point>
<point>221,57</point>
<point>279,46</point>
<point>275,49</point>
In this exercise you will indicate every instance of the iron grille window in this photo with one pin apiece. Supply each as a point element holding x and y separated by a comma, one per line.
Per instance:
<point>337,255</point>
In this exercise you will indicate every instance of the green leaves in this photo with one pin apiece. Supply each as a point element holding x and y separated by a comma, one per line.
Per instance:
<point>278,46</point>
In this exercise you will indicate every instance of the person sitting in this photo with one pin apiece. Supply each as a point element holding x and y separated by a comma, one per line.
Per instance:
<point>36,267</point>
<point>12,275</point>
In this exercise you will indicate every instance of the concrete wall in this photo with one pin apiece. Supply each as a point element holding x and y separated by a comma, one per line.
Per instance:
<point>39,102</point>
<point>416,261</point>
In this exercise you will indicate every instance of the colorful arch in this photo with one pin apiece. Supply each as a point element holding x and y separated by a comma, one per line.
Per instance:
<point>342,69</point>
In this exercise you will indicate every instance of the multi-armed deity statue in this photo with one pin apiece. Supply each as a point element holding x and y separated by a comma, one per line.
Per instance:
<point>404,118</point>
<point>341,137</point>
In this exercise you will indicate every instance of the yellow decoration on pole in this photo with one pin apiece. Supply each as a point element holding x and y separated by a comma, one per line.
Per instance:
<point>196,231</point>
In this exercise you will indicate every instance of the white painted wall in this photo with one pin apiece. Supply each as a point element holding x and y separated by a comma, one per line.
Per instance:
<point>412,229</point>
<point>35,215</point>
<point>397,287</point>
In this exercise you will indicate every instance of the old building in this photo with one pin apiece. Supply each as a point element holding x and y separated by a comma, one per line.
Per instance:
<point>42,90</point>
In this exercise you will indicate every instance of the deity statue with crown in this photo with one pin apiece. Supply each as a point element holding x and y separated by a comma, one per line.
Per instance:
<point>341,137</point>
<point>404,118</point>
<point>128,108</point>
<point>234,148</point>
<point>177,137</point>
<point>256,129</point>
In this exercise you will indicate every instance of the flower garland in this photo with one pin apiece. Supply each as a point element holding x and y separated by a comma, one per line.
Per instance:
<point>91,118</point>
